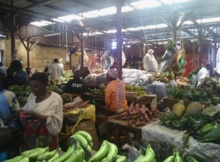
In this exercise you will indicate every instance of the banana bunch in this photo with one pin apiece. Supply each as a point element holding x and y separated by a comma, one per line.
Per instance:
<point>169,45</point>
<point>77,54</point>
<point>106,153</point>
<point>148,157</point>
<point>173,158</point>
<point>171,75</point>
<point>84,139</point>
<point>30,155</point>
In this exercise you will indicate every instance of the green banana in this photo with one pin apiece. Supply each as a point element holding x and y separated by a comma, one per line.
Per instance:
<point>25,153</point>
<point>104,160</point>
<point>25,159</point>
<point>169,159</point>
<point>139,158</point>
<point>35,154</point>
<point>102,152</point>
<point>82,140</point>
<point>154,160</point>
<point>54,157</point>
<point>190,159</point>
<point>17,158</point>
<point>149,156</point>
<point>178,158</point>
<point>47,155</point>
<point>78,155</point>
<point>65,156</point>
<point>121,159</point>
<point>86,135</point>
<point>112,152</point>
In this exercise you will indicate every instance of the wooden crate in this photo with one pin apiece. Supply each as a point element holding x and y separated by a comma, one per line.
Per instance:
<point>131,96</point>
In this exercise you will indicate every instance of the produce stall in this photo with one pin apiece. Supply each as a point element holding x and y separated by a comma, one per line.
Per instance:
<point>10,139</point>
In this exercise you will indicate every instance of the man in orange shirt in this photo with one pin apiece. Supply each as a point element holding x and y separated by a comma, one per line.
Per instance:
<point>115,92</point>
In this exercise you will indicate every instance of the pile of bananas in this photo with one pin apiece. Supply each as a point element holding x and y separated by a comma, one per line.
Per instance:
<point>108,152</point>
<point>176,68</point>
<point>77,54</point>
<point>38,154</point>
<point>162,77</point>
<point>169,45</point>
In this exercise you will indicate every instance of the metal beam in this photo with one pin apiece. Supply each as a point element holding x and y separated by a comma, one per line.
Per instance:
<point>189,32</point>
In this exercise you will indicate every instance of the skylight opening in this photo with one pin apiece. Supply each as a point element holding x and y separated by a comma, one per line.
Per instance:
<point>57,20</point>
<point>37,23</point>
<point>109,11</point>
<point>215,19</point>
<point>69,18</point>
<point>126,9</point>
<point>133,29</point>
<point>173,1</point>
<point>146,4</point>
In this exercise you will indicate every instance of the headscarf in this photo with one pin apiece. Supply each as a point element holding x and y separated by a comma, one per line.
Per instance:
<point>120,90</point>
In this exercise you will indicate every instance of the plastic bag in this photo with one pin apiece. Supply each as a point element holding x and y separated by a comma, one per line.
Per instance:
<point>123,59</point>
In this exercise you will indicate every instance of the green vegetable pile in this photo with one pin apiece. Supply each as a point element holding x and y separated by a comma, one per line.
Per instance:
<point>203,127</point>
<point>22,93</point>
<point>195,94</point>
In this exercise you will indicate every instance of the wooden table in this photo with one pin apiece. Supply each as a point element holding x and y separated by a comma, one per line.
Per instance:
<point>10,138</point>
<point>122,125</point>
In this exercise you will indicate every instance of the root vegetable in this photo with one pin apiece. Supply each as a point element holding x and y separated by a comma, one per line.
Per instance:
<point>83,104</point>
<point>155,112</point>
<point>131,107</point>
<point>146,118</point>
<point>134,112</point>
<point>153,107</point>
<point>140,123</point>
<point>149,113</point>
<point>123,114</point>
<point>142,110</point>
<point>120,111</point>
<point>131,122</point>
<point>137,107</point>
<point>134,116</point>
<point>141,117</point>
<point>156,115</point>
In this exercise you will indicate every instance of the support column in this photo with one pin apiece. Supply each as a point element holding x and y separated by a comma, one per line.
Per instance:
<point>13,53</point>
<point>119,40</point>
<point>28,55</point>
<point>82,52</point>
<point>215,51</point>
<point>200,48</point>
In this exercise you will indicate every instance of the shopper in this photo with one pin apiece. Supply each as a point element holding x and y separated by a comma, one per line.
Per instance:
<point>55,70</point>
<point>203,72</point>
<point>74,69</point>
<point>76,86</point>
<point>8,107</point>
<point>42,115</point>
<point>215,73</point>
<point>20,78</point>
<point>115,92</point>
<point>3,68</point>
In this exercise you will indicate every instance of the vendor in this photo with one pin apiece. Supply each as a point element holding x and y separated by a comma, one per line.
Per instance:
<point>194,78</point>
<point>115,93</point>
<point>42,116</point>
<point>20,78</point>
<point>203,72</point>
<point>76,86</point>
<point>74,69</point>
<point>149,62</point>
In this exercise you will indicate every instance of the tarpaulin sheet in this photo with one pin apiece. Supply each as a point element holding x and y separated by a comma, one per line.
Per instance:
<point>203,152</point>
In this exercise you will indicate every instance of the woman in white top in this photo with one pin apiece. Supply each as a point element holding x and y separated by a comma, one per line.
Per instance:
<point>42,115</point>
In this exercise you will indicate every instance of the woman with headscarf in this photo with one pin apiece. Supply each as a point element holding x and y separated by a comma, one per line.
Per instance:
<point>115,93</point>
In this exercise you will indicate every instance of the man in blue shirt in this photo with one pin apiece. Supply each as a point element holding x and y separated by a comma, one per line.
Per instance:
<point>20,77</point>
<point>8,107</point>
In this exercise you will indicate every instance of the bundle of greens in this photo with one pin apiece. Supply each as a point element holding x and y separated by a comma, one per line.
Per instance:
<point>195,94</point>
<point>204,127</point>
<point>190,75</point>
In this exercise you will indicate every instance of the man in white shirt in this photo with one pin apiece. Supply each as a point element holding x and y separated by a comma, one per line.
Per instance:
<point>149,62</point>
<point>203,72</point>
<point>3,69</point>
<point>55,70</point>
